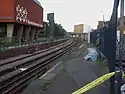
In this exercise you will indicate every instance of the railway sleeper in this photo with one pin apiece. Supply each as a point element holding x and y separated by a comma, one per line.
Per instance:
<point>14,89</point>
<point>21,63</point>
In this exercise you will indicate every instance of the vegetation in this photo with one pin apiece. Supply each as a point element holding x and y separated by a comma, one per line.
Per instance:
<point>59,30</point>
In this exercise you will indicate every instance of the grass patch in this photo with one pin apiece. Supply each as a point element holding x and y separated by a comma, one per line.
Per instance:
<point>101,62</point>
<point>46,85</point>
<point>62,67</point>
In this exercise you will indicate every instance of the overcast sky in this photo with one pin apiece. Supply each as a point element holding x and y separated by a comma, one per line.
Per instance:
<point>70,12</point>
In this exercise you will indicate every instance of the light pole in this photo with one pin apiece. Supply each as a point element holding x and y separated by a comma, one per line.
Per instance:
<point>103,18</point>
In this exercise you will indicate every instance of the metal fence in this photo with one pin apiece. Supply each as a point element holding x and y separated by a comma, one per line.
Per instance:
<point>106,37</point>
<point>101,34</point>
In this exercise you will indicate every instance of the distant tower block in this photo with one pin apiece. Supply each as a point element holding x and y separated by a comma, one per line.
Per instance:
<point>79,28</point>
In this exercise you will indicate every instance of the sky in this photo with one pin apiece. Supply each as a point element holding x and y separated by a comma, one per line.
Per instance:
<point>71,12</point>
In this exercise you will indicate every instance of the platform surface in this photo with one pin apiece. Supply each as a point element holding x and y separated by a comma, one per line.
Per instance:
<point>77,73</point>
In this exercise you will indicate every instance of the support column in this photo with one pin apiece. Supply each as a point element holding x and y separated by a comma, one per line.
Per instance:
<point>10,28</point>
<point>20,33</point>
<point>27,33</point>
<point>33,31</point>
<point>38,32</point>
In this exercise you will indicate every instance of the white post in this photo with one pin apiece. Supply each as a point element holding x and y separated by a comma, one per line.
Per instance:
<point>103,18</point>
<point>10,28</point>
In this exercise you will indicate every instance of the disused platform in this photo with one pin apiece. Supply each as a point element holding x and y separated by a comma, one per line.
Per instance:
<point>70,74</point>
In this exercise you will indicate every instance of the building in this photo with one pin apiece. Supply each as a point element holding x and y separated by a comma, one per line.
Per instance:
<point>22,19</point>
<point>100,24</point>
<point>79,28</point>
<point>119,25</point>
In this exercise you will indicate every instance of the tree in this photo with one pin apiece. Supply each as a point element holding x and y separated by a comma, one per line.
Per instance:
<point>59,31</point>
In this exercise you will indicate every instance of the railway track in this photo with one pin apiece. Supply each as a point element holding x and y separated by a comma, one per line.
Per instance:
<point>3,62</point>
<point>13,79</point>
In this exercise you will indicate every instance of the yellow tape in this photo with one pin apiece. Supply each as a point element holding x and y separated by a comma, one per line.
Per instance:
<point>94,83</point>
<point>123,74</point>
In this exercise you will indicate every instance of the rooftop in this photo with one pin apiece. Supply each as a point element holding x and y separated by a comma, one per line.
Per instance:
<point>36,1</point>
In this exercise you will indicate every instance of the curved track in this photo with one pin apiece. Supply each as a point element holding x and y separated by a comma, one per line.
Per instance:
<point>13,78</point>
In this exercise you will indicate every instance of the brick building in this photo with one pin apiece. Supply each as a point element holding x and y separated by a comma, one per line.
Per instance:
<point>100,24</point>
<point>79,28</point>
